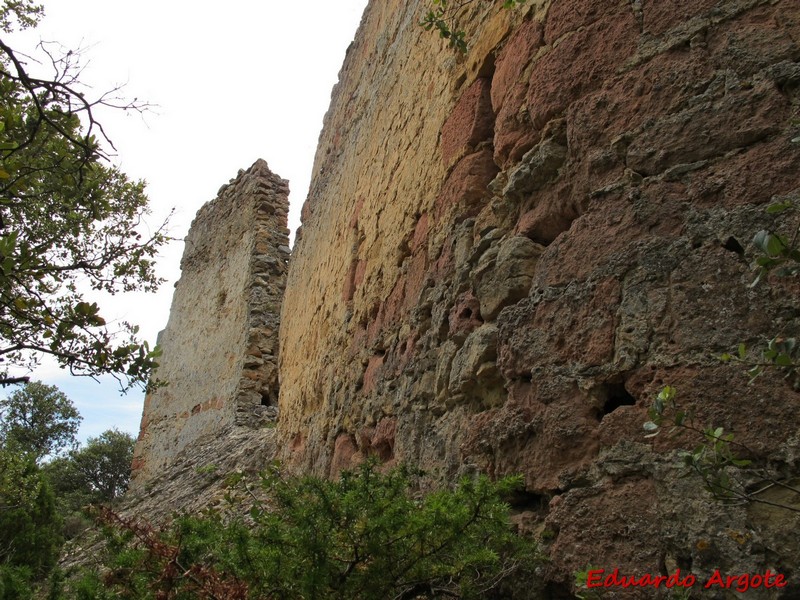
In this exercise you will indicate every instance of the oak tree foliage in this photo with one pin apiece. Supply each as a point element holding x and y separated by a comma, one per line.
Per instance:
<point>69,221</point>
<point>38,419</point>
<point>96,472</point>
<point>44,497</point>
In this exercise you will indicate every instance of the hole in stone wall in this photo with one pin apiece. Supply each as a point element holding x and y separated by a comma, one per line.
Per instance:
<point>266,399</point>
<point>486,68</point>
<point>403,252</point>
<point>465,314</point>
<point>558,591</point>
<point>616,396</point>
<point>733,245</point>
<point>684,562</point>
<point>523,500</point>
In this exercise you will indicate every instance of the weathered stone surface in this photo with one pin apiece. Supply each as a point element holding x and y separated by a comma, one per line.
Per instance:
<point>194,478</point>
<point>504,278</point>
<point>515,306</point>
<point>465,190</point>
<point>471,122</point>
<point>583,242</point>
<point>538,167</point>
<point>220,354</point>
<point>479,349</point>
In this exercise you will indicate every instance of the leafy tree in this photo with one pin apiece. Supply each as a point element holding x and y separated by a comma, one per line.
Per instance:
<point>25,12</point>
<point>39,419</point>
<point>97,472</point>
<point>67,220</point>
<point>365,536</point>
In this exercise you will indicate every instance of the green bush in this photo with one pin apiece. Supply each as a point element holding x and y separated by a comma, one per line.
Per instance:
<point>365,536</point>
<point>30,528</point>
<point>14,583</point>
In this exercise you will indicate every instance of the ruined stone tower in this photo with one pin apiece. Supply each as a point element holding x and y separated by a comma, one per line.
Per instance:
<point>221,352</point>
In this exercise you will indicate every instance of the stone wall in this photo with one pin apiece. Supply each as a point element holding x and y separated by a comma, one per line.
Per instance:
<point>220,350</point>
<point>504,256</point>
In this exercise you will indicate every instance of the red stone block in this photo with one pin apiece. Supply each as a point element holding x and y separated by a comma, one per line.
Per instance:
<point>471,122</point>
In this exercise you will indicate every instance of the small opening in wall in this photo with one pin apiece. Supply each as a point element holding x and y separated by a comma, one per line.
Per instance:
<point>616,396</point>
<point>485,69</point>
<point>733,245</point>
<point>266,399</point>
<point>684,562</point>
<point>523,500</point>
<point>558,591</point>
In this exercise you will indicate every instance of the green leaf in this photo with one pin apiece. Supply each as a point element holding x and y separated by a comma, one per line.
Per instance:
<point>766,261</point>
<point>779,207</point>
<point>771,244</point>
<point>667,394</point>
<point>776,244</point>
<point>760,240</point>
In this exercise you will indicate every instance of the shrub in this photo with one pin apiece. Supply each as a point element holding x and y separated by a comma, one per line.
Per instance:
<point>365,536</point>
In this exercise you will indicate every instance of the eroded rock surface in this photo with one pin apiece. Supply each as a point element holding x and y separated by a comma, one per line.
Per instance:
<point>506,256</point>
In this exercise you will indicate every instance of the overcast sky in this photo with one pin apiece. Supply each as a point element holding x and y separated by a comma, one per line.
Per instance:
<point>234,81</point>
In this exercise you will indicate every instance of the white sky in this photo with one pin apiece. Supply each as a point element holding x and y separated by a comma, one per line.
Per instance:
<point>234,81</point>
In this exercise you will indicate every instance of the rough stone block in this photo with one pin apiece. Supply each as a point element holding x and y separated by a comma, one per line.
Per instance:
<point>471,122</point>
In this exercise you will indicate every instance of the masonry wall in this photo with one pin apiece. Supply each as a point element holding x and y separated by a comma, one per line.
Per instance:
<point>505,256</point>
<point>220,345</point>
